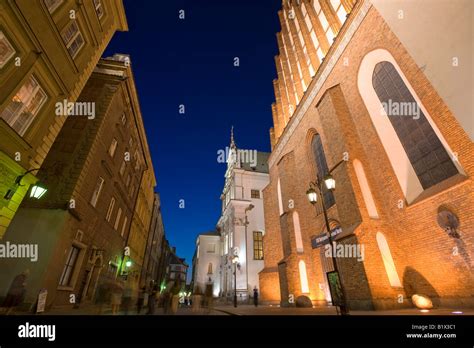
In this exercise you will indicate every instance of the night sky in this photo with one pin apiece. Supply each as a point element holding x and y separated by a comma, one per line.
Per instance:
<point>191,62</point>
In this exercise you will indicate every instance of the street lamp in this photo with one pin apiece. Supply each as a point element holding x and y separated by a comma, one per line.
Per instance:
<point>330,184</point>
<point>38,190</point>
<point>235,261</point>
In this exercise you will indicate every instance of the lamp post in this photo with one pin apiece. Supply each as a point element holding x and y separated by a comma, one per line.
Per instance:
<point>235,261</point>
<point>330,184</point>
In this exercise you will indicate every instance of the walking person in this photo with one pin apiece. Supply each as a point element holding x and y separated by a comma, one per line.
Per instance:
<point>127,298</point>
<point>152,300</point>
<point>255,296</point>
<point>17,291</point>
<point>116,299</point>
<point>141,300</point>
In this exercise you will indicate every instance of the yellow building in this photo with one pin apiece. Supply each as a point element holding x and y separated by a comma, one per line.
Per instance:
<point>48,50</point>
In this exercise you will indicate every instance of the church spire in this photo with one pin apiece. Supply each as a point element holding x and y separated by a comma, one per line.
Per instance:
<point>232,142</point>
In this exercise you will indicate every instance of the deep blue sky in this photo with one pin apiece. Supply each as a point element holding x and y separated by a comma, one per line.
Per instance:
<point>191,62</point>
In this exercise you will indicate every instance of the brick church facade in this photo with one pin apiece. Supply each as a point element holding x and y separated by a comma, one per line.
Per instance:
<point>404,191</point>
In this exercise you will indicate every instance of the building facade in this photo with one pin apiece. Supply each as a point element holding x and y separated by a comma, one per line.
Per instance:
<point>154,247</point>
<point>360,90</point>
<point>93,173</point>
<point>241,224</point>
<point>207,267</point>
<point>48,50</point>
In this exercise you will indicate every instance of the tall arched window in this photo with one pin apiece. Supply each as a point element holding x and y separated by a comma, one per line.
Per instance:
<point>280,201</point>
<point>297,228</point>
<point>365,188</point>
<point>388,260</point>
<point>416,148</point>
<point>303,277</point>
<point>322,167</point>
<point>427,155</point>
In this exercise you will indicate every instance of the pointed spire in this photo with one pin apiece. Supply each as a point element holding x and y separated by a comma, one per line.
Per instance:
<point>232,142</point>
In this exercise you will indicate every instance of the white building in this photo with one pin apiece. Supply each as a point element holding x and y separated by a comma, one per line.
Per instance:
<point>206,263</point>
<point>241,225</point>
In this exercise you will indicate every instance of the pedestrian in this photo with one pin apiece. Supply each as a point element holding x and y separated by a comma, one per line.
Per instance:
<point>116,298</point>
<point>102,296</point>
<point>255,296</point>
<point>127,298</point>
<point>141,300</point>
<point>17,291</point>
<point>152,300</point>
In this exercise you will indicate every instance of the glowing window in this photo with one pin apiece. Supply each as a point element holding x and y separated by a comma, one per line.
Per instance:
<point>303,277</point>
<point>365,188</point>
<point>297,228</point>
<point>280,202</point>
<point>388,261</point>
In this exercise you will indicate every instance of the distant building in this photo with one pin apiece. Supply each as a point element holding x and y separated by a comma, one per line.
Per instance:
<point>177,271</point>
<point>207,267</point>
<point>241,224</point>
<point>154,248</point>
<point>45,58</point>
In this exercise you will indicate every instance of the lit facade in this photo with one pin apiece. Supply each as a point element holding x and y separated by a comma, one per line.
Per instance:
<point>82,225</point>
<point>404,190</point>
<point>241,224</point>
<point>46,56</point>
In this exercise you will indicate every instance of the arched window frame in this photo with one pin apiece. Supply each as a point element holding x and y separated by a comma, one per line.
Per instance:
<point>388,262</point>
<point>298,236</point>
<point>322,168</point>
<point>406,176</point>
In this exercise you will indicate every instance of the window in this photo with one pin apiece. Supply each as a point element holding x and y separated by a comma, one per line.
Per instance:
<point>255,193</point>
<point>6,50</point>
<point>226,244</point>
<point>280,202</point>
<point>69,267</point>
<point>322,167</point>
<point>211,248</point>
<point>324,22</point>
<point>303,277</point>
<point>388,260</point>
<point>209,268</point>
<point>339,9</point>
<point>365,188</point>
<point>122,168</point>
<point>72,38</point>
<point>97,190</point>
<point>257,245</point>
<point>426,153</point>
<point>125,220</point>
<point>117,219</point>
<point>24,106</point>
<point>113,147</point>
<point>98,8</point>
<point>111,209</point>
<point>297,228</point>
<point>52,4</point>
